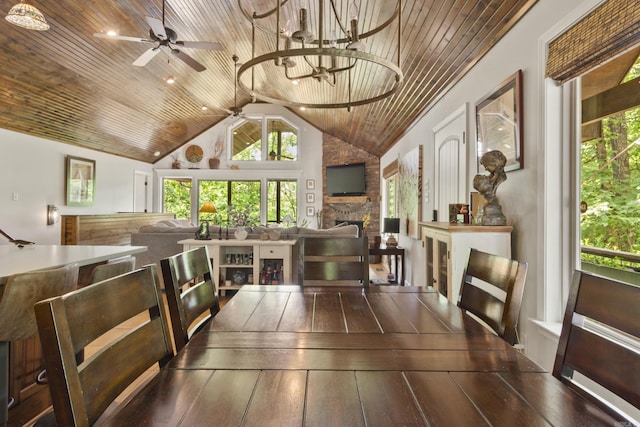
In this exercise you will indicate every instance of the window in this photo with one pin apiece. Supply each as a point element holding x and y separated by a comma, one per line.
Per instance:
<point>283,140</point>
<point>247,136</point>
<point>246,140</point>
<point>237,202</point>
<point>610,170</point>
<point>281,200</point>
<point>391,204</point>
<point>176,197</point>
<point>390,175</point>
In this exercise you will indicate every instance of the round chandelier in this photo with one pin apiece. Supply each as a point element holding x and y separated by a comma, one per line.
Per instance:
<point>325,56</point>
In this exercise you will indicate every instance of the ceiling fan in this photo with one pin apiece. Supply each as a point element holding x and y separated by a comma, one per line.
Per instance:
<point>235,111</point>
<point>166,40</point>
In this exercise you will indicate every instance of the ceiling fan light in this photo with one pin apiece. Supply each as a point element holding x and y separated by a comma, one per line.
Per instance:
<point>26,16</point>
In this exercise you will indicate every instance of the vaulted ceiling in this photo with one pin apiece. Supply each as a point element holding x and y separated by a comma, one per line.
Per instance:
<point>66,85</point>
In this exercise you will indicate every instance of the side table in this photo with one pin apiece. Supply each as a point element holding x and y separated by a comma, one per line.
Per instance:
<point>391,251</point>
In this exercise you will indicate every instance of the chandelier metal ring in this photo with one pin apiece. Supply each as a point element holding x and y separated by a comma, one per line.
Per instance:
<point>345,53</point>
<point>335,61</point>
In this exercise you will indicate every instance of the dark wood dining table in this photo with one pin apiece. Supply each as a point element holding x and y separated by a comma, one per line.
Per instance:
<point>381,356</point>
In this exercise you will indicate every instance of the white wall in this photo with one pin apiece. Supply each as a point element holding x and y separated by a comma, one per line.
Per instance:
<point>308,165</point>
<point>34,171</point>
<point>519,194</point>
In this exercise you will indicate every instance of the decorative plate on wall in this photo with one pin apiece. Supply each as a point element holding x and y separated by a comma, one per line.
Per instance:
<point>193,153</point>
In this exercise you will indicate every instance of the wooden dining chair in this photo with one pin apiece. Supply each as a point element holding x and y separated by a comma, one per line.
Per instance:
<point>323,261</point>
<point>600,339</point>
<point>82,391</point>
<point>112,268</point>
<point>492,288</point>
<point>17,318</point>
<point>191,293</point>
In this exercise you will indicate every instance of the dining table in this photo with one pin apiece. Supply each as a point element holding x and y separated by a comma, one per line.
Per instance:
<point>289,355</point>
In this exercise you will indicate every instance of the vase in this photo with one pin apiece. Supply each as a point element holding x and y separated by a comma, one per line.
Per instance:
<point>240,233</point>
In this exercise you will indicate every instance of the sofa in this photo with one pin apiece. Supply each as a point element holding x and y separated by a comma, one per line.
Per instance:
<point>161,239</point>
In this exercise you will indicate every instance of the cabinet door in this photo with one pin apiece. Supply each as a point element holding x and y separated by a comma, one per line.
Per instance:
<point>275,264</point>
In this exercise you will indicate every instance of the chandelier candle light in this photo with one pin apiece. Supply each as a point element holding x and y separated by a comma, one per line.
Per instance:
<point>302,69</point>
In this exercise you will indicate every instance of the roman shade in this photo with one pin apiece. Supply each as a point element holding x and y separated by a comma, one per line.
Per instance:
<point>606,32</point>
<point>390,170</point>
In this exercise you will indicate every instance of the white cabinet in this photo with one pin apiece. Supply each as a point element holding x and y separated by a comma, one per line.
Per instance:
<point>240,262</point>
<point>447,246</point>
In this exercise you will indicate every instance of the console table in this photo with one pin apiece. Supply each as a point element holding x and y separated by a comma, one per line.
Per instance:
<point>391,251</point>
<point>246,262</point>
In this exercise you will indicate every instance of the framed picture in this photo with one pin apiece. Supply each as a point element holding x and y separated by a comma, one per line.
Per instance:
<point>311,184</point>
<point>311,211</point>
<point>311,198</point>
<point>499,122</point>
<point>80,183</point>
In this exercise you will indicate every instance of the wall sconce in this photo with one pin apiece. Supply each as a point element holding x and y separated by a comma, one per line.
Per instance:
<point>53,215</point>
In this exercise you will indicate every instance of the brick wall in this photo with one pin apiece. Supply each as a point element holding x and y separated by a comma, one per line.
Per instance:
<point>337,152</point>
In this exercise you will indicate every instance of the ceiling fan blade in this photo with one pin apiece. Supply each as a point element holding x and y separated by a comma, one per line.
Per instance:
<point>157,27</point>
<point>199,45</point>
<point>126,38</point>
<point>146,57</point>
<point>188,60</point>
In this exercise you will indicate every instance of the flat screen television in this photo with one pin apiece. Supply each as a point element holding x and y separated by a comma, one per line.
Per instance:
<point>346,180</point>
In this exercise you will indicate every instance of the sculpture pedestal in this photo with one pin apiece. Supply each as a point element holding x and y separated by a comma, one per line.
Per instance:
<point>493,215</point>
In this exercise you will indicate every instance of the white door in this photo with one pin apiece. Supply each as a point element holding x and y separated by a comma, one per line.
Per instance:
<point>142,192</point>
<point>450,162</point>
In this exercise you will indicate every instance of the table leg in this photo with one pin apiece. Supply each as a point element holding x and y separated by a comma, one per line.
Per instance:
<point>4,382</point>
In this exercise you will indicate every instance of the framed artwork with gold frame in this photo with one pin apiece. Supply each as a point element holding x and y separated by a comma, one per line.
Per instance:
<point>80,181</point>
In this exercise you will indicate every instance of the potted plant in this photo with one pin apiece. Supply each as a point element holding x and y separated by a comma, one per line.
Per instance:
<point>214,162</point>
<point>176,164</point>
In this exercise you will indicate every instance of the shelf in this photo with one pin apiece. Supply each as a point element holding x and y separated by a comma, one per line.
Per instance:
<point>347,199</point>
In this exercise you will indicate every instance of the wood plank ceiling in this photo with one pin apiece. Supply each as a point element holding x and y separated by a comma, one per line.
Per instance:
<point>66,85</point>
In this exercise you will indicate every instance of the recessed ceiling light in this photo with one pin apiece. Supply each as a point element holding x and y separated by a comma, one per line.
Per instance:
<point>157,153</point>
<point>170,80</point>
<point>112,33</point>
<point>204,108</point>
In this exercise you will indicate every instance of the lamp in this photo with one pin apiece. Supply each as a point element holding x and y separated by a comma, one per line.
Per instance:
<point>209,208</point>
<point>26,16</point>
<point>300,69</point>
<point>391,225</point>
<point>52,214</point>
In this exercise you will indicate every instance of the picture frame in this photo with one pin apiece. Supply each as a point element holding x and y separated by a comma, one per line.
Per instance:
<point>80,181</point>
<point>499,123</point>
<point>311,198</point>
<point>311,211</point>
<point>311,184</point>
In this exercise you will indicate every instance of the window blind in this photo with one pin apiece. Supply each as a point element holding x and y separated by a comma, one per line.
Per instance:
<point>606,32</point>
<point>390,170</point>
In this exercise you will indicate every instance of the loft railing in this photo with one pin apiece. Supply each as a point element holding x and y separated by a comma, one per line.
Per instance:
<point>628,271</point>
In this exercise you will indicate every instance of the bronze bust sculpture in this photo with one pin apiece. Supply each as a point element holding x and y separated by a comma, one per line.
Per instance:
<point>494,162</point>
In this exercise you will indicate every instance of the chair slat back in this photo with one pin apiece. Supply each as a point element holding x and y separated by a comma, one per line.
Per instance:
<point>331,259</point>
<point>112,268</point>
<point>81,391</point>
<point>499,307</point>
<point>191,292</point>
<point>600,330</point>
<point>22,291</point>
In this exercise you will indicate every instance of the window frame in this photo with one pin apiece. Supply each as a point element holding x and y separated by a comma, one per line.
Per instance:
<point>264,135</point>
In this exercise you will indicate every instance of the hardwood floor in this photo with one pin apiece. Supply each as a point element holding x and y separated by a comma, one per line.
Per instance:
<point>376,271</point>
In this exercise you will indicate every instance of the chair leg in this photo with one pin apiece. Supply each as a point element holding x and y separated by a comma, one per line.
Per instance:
<point>4,382</point>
